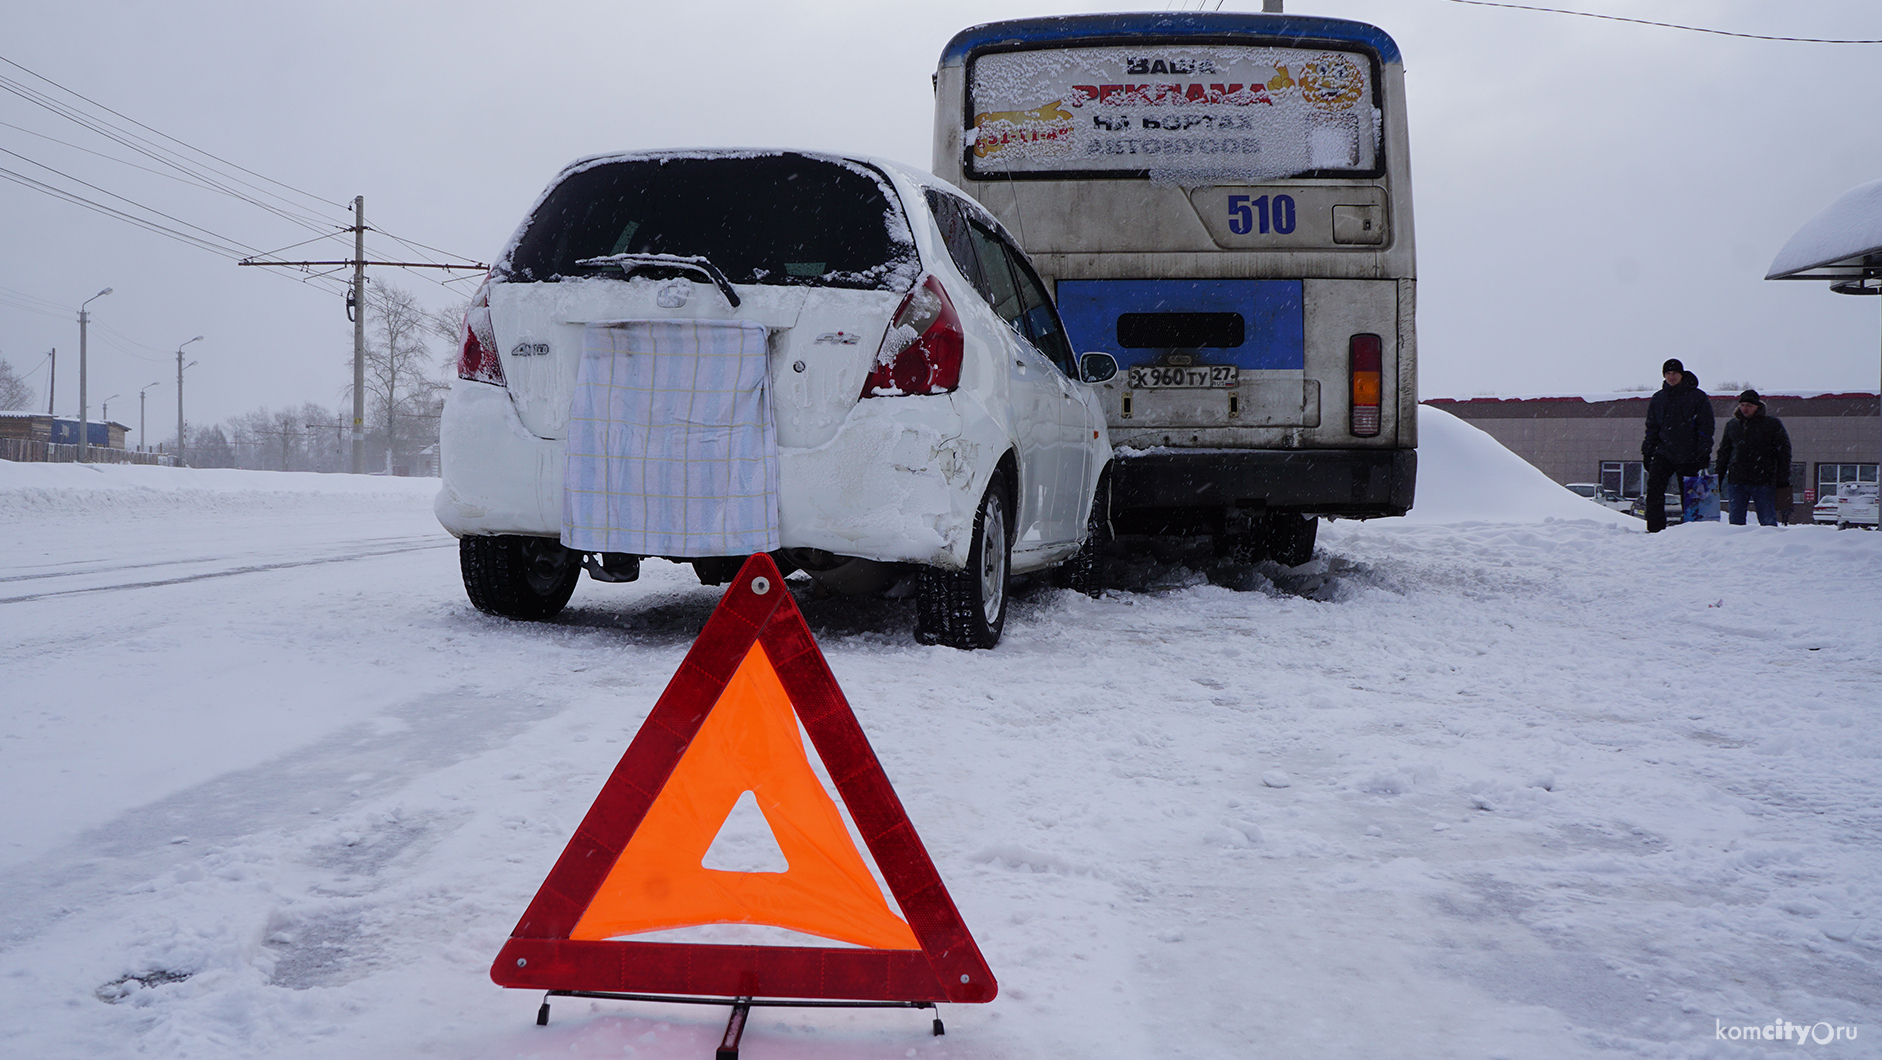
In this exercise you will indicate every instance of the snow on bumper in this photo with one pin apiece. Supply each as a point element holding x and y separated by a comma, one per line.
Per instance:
<point>900,481</point>
<point>494,470</point>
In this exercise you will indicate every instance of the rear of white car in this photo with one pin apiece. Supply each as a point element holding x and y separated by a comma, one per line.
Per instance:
<point>699,355</point>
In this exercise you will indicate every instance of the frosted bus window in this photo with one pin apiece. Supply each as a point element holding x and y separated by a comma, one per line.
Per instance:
<point>1184,115</point>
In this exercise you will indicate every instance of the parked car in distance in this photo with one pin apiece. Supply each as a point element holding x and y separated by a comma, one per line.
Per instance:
<point>841,361</point>
<point>1856,505</point>
<point>1601,495</point>
<point>1675,508</point>
<point>1824,511</point>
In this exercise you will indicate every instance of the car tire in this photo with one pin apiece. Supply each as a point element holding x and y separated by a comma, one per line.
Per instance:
<point>1290,537</point>
<point>1084,572</point>
<point>518,577</point>
<point>967,608</point>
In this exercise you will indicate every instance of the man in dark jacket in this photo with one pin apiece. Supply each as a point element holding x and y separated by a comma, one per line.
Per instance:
<point>1754,460</point>
<point>1679,436</point>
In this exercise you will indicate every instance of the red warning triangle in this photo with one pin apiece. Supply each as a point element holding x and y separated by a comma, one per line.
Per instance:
<point>727,724</point>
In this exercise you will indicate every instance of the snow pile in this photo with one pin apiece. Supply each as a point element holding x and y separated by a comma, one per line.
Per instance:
<point>35,490</point>
<point>1464,475</point>
<point>24,477</point>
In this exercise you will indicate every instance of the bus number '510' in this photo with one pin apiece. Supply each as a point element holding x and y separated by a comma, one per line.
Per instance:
<point>1246,215</point>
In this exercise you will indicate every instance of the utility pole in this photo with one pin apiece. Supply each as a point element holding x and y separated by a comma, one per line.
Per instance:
<point>180,447</point>
<point>141,447</point>
<point>52,380</point>
<point>359,334</point>
<point>356,308</point>
<point>84,425</point>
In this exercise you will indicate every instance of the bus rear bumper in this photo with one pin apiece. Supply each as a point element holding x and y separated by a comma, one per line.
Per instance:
<point>1351,483</point>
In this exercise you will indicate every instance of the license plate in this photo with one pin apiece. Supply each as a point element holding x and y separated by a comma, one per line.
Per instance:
<point>1206,375</point>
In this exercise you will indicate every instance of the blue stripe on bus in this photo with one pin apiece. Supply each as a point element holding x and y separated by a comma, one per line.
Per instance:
<point>1274,329</point>
<point>1069,29</point>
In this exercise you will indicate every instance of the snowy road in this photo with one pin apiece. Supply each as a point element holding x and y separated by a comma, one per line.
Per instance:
<point>1512,787</point>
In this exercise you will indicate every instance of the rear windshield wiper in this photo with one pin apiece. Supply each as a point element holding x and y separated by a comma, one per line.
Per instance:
<point>632,263</point>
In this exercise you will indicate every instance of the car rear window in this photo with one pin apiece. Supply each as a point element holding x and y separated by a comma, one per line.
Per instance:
<point>782,219</point>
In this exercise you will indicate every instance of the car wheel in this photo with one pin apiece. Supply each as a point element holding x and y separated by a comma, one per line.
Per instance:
<point>1084,572</point>
<point>967,608</point>
<point>518,577</point>
<point>1290,537</point>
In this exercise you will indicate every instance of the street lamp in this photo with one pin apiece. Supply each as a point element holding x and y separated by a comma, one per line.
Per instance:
<point>104,409</point>
<point>84,424</point>
<point>141,447</point>
<point>179,398</point>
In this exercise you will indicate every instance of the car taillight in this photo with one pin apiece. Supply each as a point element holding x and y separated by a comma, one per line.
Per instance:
<point>1367,384</point>
<point>478,359</point>
<point>922,352</point>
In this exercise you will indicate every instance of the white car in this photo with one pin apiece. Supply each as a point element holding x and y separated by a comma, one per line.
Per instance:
<point>1856,505</point>
<point>1825,510</point>
<point>1600,495</point>
<point>840,361</point>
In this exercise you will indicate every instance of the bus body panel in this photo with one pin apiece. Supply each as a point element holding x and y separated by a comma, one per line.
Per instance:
<point>1281,437</point>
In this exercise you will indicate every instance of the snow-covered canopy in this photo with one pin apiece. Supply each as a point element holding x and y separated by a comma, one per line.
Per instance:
<point>1836,240</point>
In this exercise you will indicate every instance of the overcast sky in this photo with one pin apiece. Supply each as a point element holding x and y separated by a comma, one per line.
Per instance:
<point>1591,196</point>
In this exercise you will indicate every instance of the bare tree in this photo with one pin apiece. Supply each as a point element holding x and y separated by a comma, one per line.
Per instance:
<point>447,322</point>
<point>326,437</point>
<point>271,441</point>
<point>14,393</point>
<point>403,386</point>
<point>209,447</point>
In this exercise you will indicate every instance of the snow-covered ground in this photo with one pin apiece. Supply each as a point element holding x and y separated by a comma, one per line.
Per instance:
<point>1507,778</point>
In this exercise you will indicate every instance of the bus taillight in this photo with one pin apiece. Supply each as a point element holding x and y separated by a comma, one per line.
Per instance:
<point>1366,368</point>
<point>922,352</point>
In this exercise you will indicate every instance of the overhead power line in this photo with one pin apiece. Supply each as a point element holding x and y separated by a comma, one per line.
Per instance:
<point>1664,25</point>
<point>192,172</point>
<point>60,193</point>
<point>172,139</point>
<point>148,209</point>
<point>185,164</point>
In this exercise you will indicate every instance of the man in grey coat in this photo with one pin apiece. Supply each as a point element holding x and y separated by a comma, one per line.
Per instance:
<point>1679,436</point>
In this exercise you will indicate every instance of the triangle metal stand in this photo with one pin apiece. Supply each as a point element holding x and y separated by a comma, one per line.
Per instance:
<point>741,1008</point>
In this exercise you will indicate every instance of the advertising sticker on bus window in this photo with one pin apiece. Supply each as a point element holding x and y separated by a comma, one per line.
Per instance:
<point>1182,114</point>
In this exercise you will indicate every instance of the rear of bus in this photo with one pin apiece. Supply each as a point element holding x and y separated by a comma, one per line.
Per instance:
<point>1222,202</point>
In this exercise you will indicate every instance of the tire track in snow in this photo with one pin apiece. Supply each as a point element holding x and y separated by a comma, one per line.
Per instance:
<point>250,569</point>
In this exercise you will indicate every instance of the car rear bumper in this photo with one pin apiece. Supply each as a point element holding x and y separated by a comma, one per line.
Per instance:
<point>1356,483</point>
<point>899,482</point>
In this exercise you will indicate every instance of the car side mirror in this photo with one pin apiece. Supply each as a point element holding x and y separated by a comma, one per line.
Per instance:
<point>1096,367</point>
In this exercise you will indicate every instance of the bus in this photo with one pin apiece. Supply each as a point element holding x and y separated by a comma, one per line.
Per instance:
<point>1222,203</point>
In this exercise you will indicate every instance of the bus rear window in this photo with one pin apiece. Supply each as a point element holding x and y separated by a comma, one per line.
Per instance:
<point>1176,113</point>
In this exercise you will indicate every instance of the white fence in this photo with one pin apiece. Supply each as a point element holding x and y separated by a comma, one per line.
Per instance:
<point>29,450</point>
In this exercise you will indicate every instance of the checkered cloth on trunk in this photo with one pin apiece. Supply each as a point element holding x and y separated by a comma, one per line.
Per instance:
<point>672,450</point>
